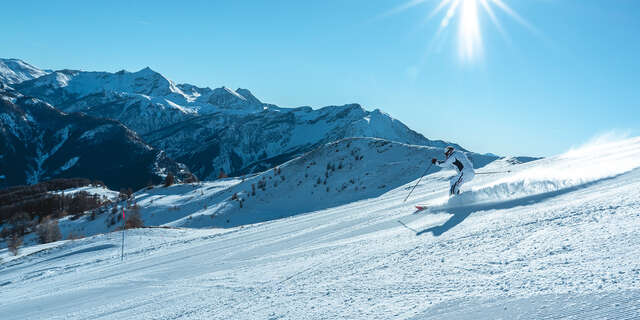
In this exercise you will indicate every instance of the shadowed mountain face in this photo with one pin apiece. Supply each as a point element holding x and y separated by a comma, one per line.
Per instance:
<point>39,142</point>
<point>212,129</point>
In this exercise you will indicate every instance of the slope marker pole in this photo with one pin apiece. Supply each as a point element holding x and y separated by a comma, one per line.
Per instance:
<point>123,230</point>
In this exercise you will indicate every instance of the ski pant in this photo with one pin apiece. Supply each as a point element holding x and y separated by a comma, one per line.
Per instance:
<point>457,181</point>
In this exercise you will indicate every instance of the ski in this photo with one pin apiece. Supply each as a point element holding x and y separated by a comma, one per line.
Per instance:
<point>421,207</point>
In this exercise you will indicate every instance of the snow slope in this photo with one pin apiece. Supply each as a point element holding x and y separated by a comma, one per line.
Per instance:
<point>337,173</point>
<point>522,248</point>
<point>14,71</point>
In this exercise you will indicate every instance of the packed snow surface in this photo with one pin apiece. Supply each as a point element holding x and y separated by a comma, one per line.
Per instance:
<point>551,239</point>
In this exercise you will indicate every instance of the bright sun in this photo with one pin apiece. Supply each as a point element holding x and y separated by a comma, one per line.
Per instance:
<point>467,12</point>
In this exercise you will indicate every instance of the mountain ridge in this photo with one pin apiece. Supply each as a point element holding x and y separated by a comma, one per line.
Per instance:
<point>213,129</point>
<point>14,70</point>
<point>40,143</point>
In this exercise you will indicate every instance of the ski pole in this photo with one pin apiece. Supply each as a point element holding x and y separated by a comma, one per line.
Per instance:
<point>425,172</point>
<point>495,172</point>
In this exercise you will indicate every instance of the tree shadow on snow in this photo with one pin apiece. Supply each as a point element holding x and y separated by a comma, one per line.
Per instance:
<point>460,213</point>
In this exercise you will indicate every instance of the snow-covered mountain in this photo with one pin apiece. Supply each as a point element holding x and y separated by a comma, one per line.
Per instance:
<point>549,239</point>
<point>145,100</point>
<point>15,71</point>
<point>39,142</point>
<point>212,129</point>
<point>245,143</point>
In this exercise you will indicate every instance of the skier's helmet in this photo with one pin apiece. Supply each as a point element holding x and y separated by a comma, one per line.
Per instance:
<point>448,151</point>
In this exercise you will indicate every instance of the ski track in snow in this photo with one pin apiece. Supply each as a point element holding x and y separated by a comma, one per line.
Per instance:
<point>568,250</point>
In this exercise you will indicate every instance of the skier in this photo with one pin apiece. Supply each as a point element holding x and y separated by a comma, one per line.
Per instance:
<point>457,160</point>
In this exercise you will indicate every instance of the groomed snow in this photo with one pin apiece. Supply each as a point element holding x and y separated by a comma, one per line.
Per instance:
<point>565,249</point>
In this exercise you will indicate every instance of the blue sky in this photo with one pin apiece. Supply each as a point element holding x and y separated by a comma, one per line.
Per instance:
<point>528,93</point>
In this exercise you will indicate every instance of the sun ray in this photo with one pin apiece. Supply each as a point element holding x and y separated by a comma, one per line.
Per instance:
<point>500,4</point>
<point>441,5</point>
<point>470,39</point>
<point>437,9</point>
<point>451,12</point>
<point>494,19</point>
<point>467,16</point>
<point>403,7</point>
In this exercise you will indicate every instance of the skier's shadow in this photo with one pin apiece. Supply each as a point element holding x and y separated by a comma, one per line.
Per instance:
<point>455,220</point>
<point>460,213</point>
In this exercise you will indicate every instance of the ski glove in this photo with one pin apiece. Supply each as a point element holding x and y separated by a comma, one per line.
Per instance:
<point>433,161</point>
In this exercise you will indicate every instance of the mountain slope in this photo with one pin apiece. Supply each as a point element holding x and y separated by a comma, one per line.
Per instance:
<point>212,129</point>
<point>337,173</point>
<point>14,71</point>
<point>334,174</point>
<point>245,143</point>
<point>553,238</point>
<point>39,142</point>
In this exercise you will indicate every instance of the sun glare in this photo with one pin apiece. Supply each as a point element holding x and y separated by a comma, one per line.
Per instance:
<point>470,40</point>
<point>467,13</point>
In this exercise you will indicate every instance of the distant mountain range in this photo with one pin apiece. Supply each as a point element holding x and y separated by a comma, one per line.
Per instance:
<point>15,71</point>
<point>39,142</point>
<point>206,129</point>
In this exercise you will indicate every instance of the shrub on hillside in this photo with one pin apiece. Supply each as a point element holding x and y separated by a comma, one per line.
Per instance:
<point>72,236</point>
<point>262,184</point>
<point>48,230</point>
<point>134,220</point>
<point>21,222</point>
<point>5,233</point>
<point>14,243</point>
<point>190,178</point>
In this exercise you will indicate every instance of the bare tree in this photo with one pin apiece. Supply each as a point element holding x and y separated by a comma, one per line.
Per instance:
<point>169,180</point>
<point>14,243</point>
<point>134,220</point>
<point>48,230</point>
